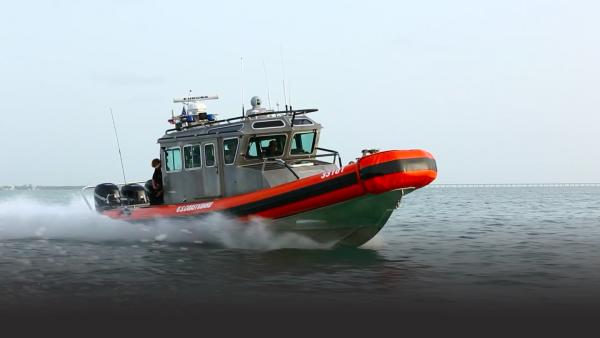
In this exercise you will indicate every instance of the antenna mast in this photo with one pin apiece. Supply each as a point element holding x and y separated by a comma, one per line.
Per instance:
<point>118,145</point>
<point>283,79</point>
<point>267,83</point>
<point>290,95</point>
<point>242,83</point>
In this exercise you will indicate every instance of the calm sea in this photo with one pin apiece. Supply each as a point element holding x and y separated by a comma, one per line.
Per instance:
<point>444,247</point>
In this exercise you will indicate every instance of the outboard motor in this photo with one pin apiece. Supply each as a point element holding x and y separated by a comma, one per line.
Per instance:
<point>134,193</point>
<point>106,196</point>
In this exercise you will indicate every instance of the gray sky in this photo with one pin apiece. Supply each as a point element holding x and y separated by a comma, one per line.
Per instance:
<point>498,91</point>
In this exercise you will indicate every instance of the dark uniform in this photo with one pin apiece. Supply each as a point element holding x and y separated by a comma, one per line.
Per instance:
<point>157,194</point>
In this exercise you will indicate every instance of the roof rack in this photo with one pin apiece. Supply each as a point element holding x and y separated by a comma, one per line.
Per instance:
<point>281,112</point>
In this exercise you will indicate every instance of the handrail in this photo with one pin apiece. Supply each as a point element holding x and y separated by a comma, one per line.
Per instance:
<point>85,198</point>
<point>286,112</point>
<point>281,162</point>
<point>280,112</point>
<point>334,153</point>
<point>287,166</point>
<point>206,124</point>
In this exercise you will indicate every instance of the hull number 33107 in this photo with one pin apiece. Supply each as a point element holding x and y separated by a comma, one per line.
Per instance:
<point>332,172</point>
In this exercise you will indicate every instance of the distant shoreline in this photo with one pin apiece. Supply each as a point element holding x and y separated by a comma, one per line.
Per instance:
<point>512,185</point>
<point>39,187</point>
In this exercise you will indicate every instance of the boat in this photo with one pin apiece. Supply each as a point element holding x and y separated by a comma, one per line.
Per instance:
<point>268,164</point>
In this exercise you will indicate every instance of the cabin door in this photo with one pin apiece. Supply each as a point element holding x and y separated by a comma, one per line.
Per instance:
<point>211,173</point>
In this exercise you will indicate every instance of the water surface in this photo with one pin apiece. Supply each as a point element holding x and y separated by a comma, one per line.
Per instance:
<point>448,247</point>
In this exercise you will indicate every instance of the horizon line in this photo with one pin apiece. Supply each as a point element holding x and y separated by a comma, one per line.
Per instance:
<point>435,185</point>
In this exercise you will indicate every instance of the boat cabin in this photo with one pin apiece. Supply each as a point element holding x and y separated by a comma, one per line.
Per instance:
<point>204,158</point>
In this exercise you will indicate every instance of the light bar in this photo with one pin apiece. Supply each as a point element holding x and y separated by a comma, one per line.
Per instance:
<point>195,98</point>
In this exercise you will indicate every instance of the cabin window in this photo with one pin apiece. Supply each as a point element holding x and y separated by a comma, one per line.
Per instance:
<point>191,157</point>
<point>303,143</point>
<point>265,146</point>
<point>209,155</point>
<point>229,150</point>
<point>173,159</point>
<point>268,124</point>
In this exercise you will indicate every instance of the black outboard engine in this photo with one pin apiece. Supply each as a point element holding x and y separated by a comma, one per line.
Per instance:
<point>107,196</point>
<point>134,193</point>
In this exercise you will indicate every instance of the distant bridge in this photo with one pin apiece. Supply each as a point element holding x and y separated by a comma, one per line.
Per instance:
<point>515,185</point>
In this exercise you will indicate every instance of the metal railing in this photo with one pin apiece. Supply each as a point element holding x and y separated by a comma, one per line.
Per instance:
<point>283,163</point>
<point>83,191</point>
<point>291,112</point>
<point>334,153</point>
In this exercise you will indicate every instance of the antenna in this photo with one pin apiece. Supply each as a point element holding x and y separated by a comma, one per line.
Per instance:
<point>290,95</point>
<point>118,145</point>
<point>267,84</point>
<point>242,83</point>
<point>283,79</point>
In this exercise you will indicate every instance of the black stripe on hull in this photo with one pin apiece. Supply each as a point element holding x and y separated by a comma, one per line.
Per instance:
<point>404,165</point>
<point>294,196</point>
<point>282,199</point>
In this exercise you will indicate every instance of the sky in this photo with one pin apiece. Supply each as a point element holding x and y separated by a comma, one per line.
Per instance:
<point>498,91</point>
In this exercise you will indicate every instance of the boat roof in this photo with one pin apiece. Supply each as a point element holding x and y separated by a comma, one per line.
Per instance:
<point>254,123</point>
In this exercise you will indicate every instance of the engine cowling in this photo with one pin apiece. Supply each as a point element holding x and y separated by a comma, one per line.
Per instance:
<point>134,193</point>
<point>107,196</point>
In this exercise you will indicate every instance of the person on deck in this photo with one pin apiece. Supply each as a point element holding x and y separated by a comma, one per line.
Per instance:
<point>157,193</point>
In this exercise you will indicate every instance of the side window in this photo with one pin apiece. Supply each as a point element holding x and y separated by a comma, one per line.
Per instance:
<point>252,149</point>
<point>265,146</point>
<point>229,150</point>
<point>303,143</point>
<point>209,155</point>
<point>173,159</point>
<point>191,157</point>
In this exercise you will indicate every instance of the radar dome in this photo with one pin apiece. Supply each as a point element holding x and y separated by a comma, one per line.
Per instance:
<point>255,102</point>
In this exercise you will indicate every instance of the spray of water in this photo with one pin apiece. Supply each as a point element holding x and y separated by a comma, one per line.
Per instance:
<point>23,218</point>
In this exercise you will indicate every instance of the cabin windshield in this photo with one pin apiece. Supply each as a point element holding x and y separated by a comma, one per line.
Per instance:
<point>265,146</point>
<point>303,143</point>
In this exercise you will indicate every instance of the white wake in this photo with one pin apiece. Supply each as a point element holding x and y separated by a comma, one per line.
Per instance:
<point>22,218</point>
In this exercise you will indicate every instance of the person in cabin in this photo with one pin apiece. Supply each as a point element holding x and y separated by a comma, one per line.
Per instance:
<point>272,150</point>
<point>156,193</point>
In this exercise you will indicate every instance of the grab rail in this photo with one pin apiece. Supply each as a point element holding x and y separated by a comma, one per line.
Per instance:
<point>287,166</point>
<point>291,112</point>
<point>334,153</point>
<point>281,162</point>
<point>87,187</point>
